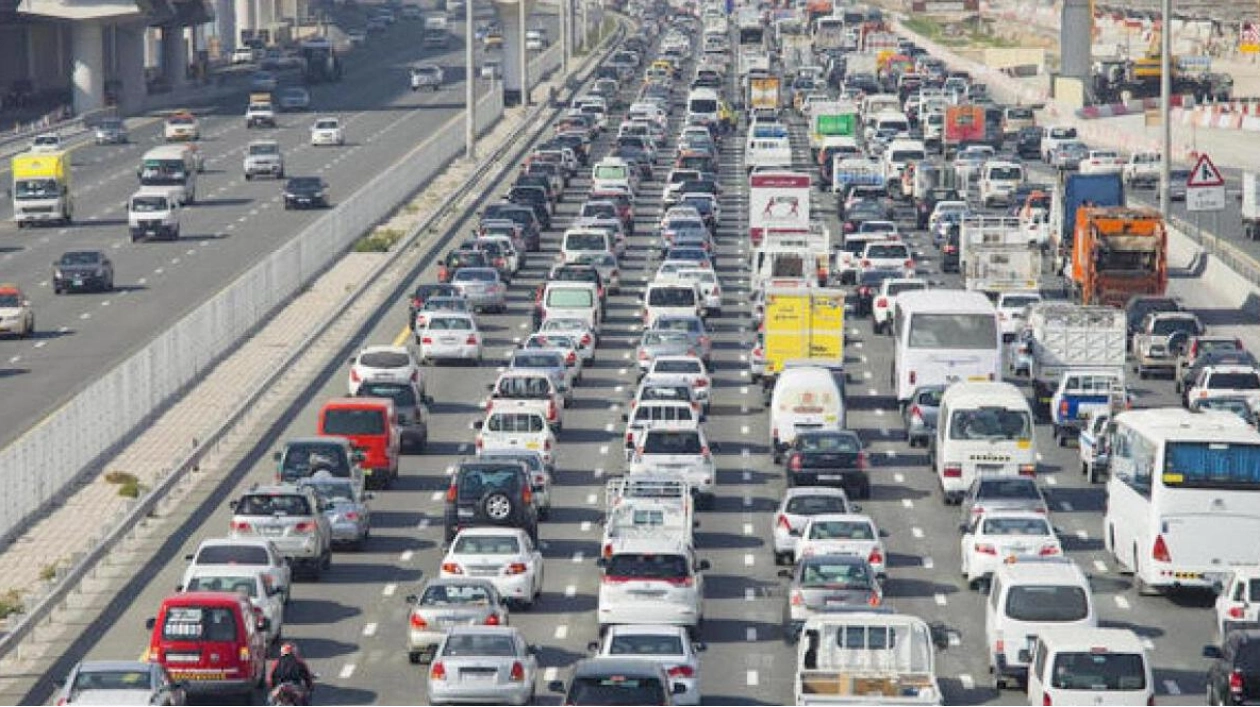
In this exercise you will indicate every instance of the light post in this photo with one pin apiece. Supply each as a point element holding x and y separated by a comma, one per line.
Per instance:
<point>470,85</point>
<point>1165,106</point>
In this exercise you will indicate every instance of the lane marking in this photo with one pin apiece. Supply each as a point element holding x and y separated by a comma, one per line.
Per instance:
<point>1065,506</point>
<point>586,526</point>
<point>1122,602</point>
<point>562,632</point>
<point>549,674</point>
<point>749,559</point>
<point>436,496</point>
<point>750,634</point>
<point>899,478</point>
<point>748,528</point>
<point>592,499</point>
<point>750,594</point>
<point>907,503</point>
<point>570,591</point>
<point>1052,481</point>
<point>578,557</point>
<point>940,599</point>
<point>347,671</point>
<point>928,563</point>
<point>1100,565</point>
<point>1172,687</point>
<point>967,681</point>
<point>752,679</point>
<point>369,629</point>
<point>406,556</point>
<point>389,589</point>
<point>917,532</point>
<point>1082,535</point>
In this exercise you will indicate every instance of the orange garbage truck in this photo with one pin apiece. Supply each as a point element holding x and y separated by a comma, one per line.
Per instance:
<point>1118,252</point>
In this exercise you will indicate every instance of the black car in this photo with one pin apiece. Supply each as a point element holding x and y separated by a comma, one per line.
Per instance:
<point>540,181</point>
<point>1234,678</point>
<point>461,258</point>
<point>305,192</point>
<point>412,410</point>
<point>523,215</point>
<point>83,270</point>
<point>925,206</point>
<point>950,250</point>
<point>490,493</point>
<point>536,199</point>
<point>828,458</point>
<point>867,285</point>
<point>1028,142</point>
<point>423,292</point>
<point>1138,306</point>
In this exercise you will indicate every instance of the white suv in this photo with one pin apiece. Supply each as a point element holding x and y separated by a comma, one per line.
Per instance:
<point>682,450</point>
<point>651,581</point>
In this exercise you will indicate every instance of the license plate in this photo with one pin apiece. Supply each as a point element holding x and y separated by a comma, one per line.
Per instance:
<point>477,677</point>
<point>647,593</point>
<point>183,657</point>
<point>989,468</point>
<point>829,477</point>
<point>466,513</point>
<point>977,378</point>
<point>448,339</point>
<point>78,282</point>
<point>270,530</point>
<point>531,445</point>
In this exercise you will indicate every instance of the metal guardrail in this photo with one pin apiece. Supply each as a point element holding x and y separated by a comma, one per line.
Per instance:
<point>30,619</point>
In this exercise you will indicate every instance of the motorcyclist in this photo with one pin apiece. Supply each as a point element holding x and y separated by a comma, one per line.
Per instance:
<point>291,669</point>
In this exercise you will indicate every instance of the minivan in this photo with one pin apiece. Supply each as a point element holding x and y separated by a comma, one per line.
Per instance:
<point>1029,596</point>
<point>804,398</point>
<point>670,299</point>
<point>1091,666</point>
<point>571,299</point>
<point>371,425</point>
<point>702,107</point>
<point>210,641</point>
<point>612,173</point>
<point>984,428</point>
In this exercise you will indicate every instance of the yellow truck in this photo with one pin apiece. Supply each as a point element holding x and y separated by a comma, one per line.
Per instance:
<point>803,323</point>
<point>41,188</point>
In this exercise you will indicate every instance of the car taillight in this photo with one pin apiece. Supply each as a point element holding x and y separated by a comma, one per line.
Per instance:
<point>471,340</point>
<point>864,291</point>
<point>704,451</point>
<point>517,673</point>
<point>865,263</point>
<point>354,376</point>
<point>586,339</point>
<point>1236,682</point>
<point>909,264</point>
<point>794,463</point>
<point>1046,701</point>
<point>784,523</point>
<point>241,526</point>
<point>1236,612</point>
<point>417,621</point>
<point>798,599</point>
<point>443,273</point>
<point>916,412</point>
<point>914,377</point>
<point>1159,552</point>
<point>681,671</point>
<point>438,671</point>
<point>426,340</point>
<point>416,302</point>
<point>863,461</point>
<point>451,494</point>
<point>305,526</point>
<point>1027,469</point>
<point>952,471</point>
<point>950,249</point>
<point>352,515</point>
<point>700,383</point>
<point>986,549</point>
<point>1048,550</point>
<point>517,568</point>
<point>881,302</point>
<point>452,568</point>
<point>876,557</point>
<point>552,413</point>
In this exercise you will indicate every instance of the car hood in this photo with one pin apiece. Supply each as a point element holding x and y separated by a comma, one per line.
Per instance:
<point>112,697</point>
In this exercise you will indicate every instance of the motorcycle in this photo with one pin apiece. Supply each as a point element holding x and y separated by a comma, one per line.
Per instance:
<point>289,693</point>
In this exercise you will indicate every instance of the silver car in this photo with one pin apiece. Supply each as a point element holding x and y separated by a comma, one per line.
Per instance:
<point>120,682</point>
<point>606,264</point>
<point>1001,493</point>
<point>548,361</point>
<point>443,604</point>
<point>655,343</point>
<point>1069,155</point>
<point>294,98</point>
<point>670,646</point>
<point>483,665</point>
<point>920,413</point>
<point>697,333</point>
<point>288,516</point>
<point>825,583</point>
<point>346,508</point>
<point>482,288</point>
<point>111,131</point>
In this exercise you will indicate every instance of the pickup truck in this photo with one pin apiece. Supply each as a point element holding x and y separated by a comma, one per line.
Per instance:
<point>1142,169</point>
<point>867,658</point>
<point>1083,394</point>
<point>260,115</point>
<point>649,518</point>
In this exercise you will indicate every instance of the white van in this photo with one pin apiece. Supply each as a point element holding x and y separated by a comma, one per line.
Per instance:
<point>983,429</point>
<point>891,120</point>
<point>877,103</point>
<point>943,337</point>
<point>1029,596</point>
<point>582,241</point>
<point>571,299</point>
<point>702,106</point>
<point>771,152</point>
<point>670,299</point>
<point>1090,666</point>
<point>612,173</point>
<point>899,154</point>
<point>172,168</point>
<point>804,398</point>
<point>998,181</point>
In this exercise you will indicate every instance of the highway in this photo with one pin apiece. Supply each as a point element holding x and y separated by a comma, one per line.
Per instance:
<point>232,225</point>
<point>351,625</point>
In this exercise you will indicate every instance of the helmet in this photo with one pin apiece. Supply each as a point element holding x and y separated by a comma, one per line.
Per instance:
<point>288,649</point>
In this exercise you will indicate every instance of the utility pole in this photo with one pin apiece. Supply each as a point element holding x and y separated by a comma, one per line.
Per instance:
<point>470,86</point>
<point>523,55</point>
<point>1165,106</point>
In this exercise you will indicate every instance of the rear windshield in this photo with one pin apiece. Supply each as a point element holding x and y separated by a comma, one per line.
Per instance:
<point>678,366</point>
<point>454,595</point>
<point>834,575</point>
<point>610,172</point>
<point>896,288</point>
<point>702,105</point>
<point>645,644</point>
<point>473,644</point>
<point>1234,381</point>
<point>233,555</point>
<point>589,241</point>
<point>349,421</point>
<point>568,297</point>
<point>632,566</point>
<point>886,251</point>
<point>524,388</point>
<point>990,424</point>
<point>1099,671</point>
<point>662,442</point>
<point>273,505</point>
<point>1040,603</point>
<point>302,459</point>
<point>515,422</point>
<point>198,623</point>
<point>1016,526</point>
<point>450,324</point>
<point>828,443</point>
<point>616,690</point>
<point>841,530</point>
<point>816,505</point>
<point>402,395</point>
<point>477,482</point>
<point>487,545</point>
<point>241,584</point>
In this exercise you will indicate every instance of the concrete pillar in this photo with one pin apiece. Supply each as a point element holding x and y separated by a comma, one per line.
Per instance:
<point>1075,40</point>
<point>225,24</point>
<point>129,51</point>
<point>513,20</point>
<point>88,80</point>
<point>174,55</point>
<point>246,12</point>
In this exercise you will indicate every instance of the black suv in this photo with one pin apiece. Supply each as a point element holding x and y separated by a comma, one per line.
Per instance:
<point>490,493</point>
<point>1234,678</point>
<point>1028,142</point>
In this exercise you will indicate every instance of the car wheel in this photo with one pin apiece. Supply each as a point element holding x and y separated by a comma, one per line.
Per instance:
<point>414,657</point>
<point>497,506</point>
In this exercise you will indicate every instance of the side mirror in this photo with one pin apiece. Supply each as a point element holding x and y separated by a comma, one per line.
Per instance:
<point>179,587</point>
<point>150,622</point>
<point>264,624</point>
<point>601,563</point>
<point>275,456</point>
<point>369,496</point>
<point>1024,655</point>
<point>531,649</point>
<point>625,417</point>
<point>427,399</point>
<point>188,558</point>
<point>232,504</point>
<point>699,646</point>
<point>490,387</point>
<point>350,360</point>
<point>703,565</point>
<point>1212,652</point>
<point>476,425</point>
<point>556,686</point>
<point>593,646</point>
<point>940,634</point>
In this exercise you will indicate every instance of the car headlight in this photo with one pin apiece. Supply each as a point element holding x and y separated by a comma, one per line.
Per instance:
<point>57,273</point>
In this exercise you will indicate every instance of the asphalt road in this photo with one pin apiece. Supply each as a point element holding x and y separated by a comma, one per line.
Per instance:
<point>233,224</point>
<point>351,625</point>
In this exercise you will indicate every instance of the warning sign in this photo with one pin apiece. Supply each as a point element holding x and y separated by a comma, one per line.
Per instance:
<point>1205,187</point>
<point>1205,174</point>
<point>1249,38</point>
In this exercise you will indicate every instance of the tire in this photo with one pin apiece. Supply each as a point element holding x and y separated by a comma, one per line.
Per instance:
<point>414,657</point>
<point>497,506</point>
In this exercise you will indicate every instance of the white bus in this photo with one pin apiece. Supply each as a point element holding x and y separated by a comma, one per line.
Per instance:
<point>942,337</point>
<point>1183,496</point>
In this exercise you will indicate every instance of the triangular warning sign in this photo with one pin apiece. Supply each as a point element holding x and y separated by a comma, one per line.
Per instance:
<point>1205,174</point>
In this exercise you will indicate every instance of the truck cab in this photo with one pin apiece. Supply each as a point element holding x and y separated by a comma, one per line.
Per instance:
<point>1083,395</point>
<point>153,213</point>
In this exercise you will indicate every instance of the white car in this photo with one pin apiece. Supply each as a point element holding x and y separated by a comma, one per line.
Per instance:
<point>383,364</point>
<point>887,255</point>
<point>327,131</point>
<point>1224,381</point>
<point>254,582</point>
<point>651,581</point>
<point>526,390</point>
<point>47,142</point>
<point>670,646</point>
<point>242,55</point>
<point>885,300</point>
<point>678,449</point>
<point>1011,307</point>
<point>240,553</point>
<point>509,429</point>
<point>1102,162</point>
<point>843,534</point>
<point>572,326</point>
<point>996,537</point>
<point>430,76</point>
<point>799,504</point>
<point>706,281</point>
<point>449,336</point>
<point>683,370</point>
<point>505,556</point>
<point>1239,599</point>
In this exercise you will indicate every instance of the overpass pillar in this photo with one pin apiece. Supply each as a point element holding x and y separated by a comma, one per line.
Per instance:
<point>88,57</point>
<point>174,55</point>
<point>512,14</point>
<point>246,19</point>
<point>129,53</point>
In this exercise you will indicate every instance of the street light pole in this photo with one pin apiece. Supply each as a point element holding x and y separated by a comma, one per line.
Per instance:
<point>470,85</point>
<point>523,55</point>
<point>564,35</point>
<point>1165,106</point>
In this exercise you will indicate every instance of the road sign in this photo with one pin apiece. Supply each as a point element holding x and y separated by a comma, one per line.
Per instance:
<point>1205,187</point>
<point>1249,39</point>
<point>1205,174</point>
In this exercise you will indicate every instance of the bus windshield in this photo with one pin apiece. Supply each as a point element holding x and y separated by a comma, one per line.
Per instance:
<point>1205,465</point>
<point>953,331</point>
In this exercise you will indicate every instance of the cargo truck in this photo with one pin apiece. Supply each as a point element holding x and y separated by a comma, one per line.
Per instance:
<point>1060,336</point>
<point>1070,194</point>
<point>964,125</point>
<point>804,254</point>
<point>41,188</point>
<point>1250,207</point>
<point>777,200</point>
<point>435,31</point>
<point>765,94</point>
<point>996,255</point>
<point>867,658</point>
<point>1118,252</point>
<point>802,324</point>
<point>831,119</point>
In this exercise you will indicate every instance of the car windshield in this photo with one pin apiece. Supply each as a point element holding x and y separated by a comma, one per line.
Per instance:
<point>475,275</point>
<point>1174,325</point>
<point>10,300</point>
<point>515,423</point>
<point>1019,301</point>
<point>279,504</point>
<point>841,530</point>
<point>303,458</point>
<point>694,326</point>
<point>354,421</point>
<point>474,644</point>
<point>815,505</point>
<point>645,644</point>
<point>385,359</point>
<point>1047,603</point>
<point>486,545</point>
<point>672,442</point>
<point>658,337</point>
<point>589,241</point>
<point>952,331</point>
<point>402,394</point>
<point>264,149</point>
<point>569,297</point>
<point>305,184</point>
<point>647,566</point>
<point>616,690</point>
<point>474,483</point>
<point>199,623</point>
<point>520,387</point>
<point>330,490</point>
<point>326,125</point>
<point>665,392</point>
<point>241,584</point>
<point>1094,672</point>
<point>454,595</point>
<point>523,359</point>
<point>887,251</point>
<point>92,680</point>
<point>148,204</point>
<point>833,575</point>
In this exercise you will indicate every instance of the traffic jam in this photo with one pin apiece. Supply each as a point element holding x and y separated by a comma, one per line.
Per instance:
<point>899,410</point>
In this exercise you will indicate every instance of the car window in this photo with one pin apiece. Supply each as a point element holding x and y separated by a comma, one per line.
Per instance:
<point>197,623</point>
<point>616,690</point>
<point>111,680</point>
<point>676,366</point>
<point>352,421</point>
<point>462,644</point>
<point>570,297</point>
<point>828,443</point>
<point>487,545</point>
<point>524,387</point>
<point>477,482</point>
<point>990,423</point>
<point>450,324</point>
<point>646,644</point>
<point>1016,526</point>
<point>273,505</point>
<point>1008,488</point>
<point>1053,603</point>
<point>821,573</point>
<point>815,505</point>
<point>384,359</point>
<point>241,584</point>
<point>647,566</point>
<point>403,395</point>
<point>669,442</point>
<point>515,422</point>
<point>841,530</point>
<point>232,555</point>
<point>454,594</point>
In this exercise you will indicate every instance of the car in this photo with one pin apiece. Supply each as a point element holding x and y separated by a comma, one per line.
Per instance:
<point>442,604</point>
<point>253,582</point>
<point>383,364</point>
<point>260,113</point>
<point>242,55</point>
<point>181,125</point>
<point>111,131</point>
<point>1223,381</point>
<point>1001,493</point>
<point>346,508</point>
<point>536,467</point>
<point>1202,347</point>
<point>887,255</point>
<point>1102,162</point>
<point>506,556</point>
<point>1010,310</point>
<point>828,458</point>
<point>305,192</point>
<point>293,98</point>
<point>824,583</point>
<point>262,82</point>
<point>866,290</point>
<point>1242,406</point>
<point>1092,446</point>
<point>119,682</point>
<point>461,258</point>
<point>422,293</point>
<point>618,681</point>
<point>411,407</point>
<point>357,36</point>
<point>655,342</point>
<point>16,315</point>
<point>263,157</point>
<point>525,390</point>
<point>686,370</point>
<point>482,665</point>
<point>449,336</point>
<point>258,553</point>
<point>1234,676</point>
<point>843,534</point>
<point>490,492</point>
<point>685,451</point>
<point>442,303</point>
<point>885,300</point>
<point>1138,306</point>
<point>578,328</point>
<point>606,265</point>
<point>1160,339</point>
<point>482,288</point>
<point>513,429</point>
<point>288,516</point>
<point>327,130</point>
<point>556,356</point>
<point>1069,155</point>
<point>796,507</point>
<point>651,580</point>
<point>668,646</point>
<point>80,270</point>
<point>693,326</point>
<point>1238,600</point>
<point>428,76</point>
<point>920,413</point>
<point>997,536</point>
